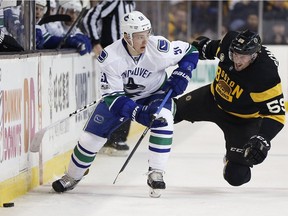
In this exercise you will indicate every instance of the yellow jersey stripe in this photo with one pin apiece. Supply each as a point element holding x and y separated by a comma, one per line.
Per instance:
<point>279,118</point>
<point>268,94</point>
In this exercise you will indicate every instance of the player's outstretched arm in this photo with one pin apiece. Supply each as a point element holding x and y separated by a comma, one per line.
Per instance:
<point>180,77</point>
<point>207,48</point>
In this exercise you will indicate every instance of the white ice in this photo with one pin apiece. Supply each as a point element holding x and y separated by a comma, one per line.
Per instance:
<point>195,185</point>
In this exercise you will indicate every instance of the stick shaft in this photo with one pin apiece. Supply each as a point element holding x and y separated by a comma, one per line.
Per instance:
<point>71,28</point>
<point>55,18</point>
<point>37,139</point>
<point>144,134</point>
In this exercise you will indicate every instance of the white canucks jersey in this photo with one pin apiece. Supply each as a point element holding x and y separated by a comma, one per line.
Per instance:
<point>141,78</point>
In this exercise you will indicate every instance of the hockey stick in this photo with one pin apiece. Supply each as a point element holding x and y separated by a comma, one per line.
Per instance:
<point>144,134</point>
<point>55,18</point>
<point>77,21</point>
<point>37,139</point>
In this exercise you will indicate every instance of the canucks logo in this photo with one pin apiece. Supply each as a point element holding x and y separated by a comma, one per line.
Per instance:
<point>163,46</point>
<point>126,17</point>
<point>132,87</point>
<point>103,55</point>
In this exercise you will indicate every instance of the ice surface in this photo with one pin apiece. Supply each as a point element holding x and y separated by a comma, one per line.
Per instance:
<point>195,185</point>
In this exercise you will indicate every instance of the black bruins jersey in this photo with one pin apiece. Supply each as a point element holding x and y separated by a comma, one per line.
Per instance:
<point>251,93</point>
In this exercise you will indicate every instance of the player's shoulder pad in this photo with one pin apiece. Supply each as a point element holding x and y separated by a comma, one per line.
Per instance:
<point>162,44</point>
<point>267,63</point>
<point>269,56</point>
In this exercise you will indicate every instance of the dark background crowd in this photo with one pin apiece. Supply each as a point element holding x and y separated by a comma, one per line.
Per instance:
<point>175,19</point>
<point>214,18</point>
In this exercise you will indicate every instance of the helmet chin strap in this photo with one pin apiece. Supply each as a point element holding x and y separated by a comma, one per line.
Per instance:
<point>131,46</point>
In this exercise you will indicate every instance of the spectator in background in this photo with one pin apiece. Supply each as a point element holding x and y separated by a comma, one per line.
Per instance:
<point>204,14</point>
<point>102,23</point>
<point>279,34</point>
<point>275,17</point>
<point>45,40</point>
<point>239,14</point>
<point>177,27</point>
<point>275,10</point>
<point>252,22</point>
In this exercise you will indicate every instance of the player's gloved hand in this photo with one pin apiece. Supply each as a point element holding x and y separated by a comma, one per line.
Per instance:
<point>178,81</point>
<point>256,149</point>
<point>144,116</point>
<point>200,43</point>
<point>9,44</point>
<point>78,41</point>
<point>125,107</point>
<point>85,40</point>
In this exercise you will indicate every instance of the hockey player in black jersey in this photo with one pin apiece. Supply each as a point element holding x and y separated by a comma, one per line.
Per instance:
<point>245,100</point>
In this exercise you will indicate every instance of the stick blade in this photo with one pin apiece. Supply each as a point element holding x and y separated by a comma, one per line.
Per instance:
<point>116,177</point>
<point>36,141</point>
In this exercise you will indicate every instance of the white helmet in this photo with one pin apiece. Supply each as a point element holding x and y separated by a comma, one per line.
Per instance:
<point>43,3</point>
<point>134,22</point>
<point>72,5</point>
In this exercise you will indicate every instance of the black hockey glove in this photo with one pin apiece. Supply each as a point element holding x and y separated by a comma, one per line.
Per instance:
<point>256,150</point>
<point>200,43</point>
<point>9,44</point>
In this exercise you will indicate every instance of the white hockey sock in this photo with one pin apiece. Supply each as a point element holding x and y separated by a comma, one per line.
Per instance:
<point>84,154</point>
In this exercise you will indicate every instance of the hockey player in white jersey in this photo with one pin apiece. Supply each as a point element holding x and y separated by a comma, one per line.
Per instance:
<point>60,28</point>
<point>46,40</point>
<point>133,85</point>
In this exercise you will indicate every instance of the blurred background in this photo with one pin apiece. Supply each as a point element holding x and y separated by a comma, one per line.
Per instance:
<point>186,20</point>
<point>175,19</point>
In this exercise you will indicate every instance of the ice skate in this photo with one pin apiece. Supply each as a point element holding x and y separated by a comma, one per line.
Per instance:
<point>156,183</point>
<point>115,149</point>
<point>66,183</point>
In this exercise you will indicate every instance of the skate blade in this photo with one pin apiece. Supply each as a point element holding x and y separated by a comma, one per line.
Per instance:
<point>155,193</point>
